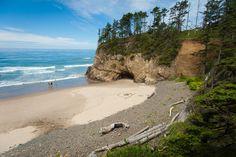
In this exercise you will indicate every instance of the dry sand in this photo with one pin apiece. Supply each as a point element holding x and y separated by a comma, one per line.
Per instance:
<point>15,137</point>
<point>26,117</point>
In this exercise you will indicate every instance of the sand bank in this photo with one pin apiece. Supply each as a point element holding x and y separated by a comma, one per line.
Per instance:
<point>63,108</point>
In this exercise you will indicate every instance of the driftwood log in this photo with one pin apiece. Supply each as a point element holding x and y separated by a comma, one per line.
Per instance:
<point>107,129</point>
<point>149,97</point>
<point>140,137</point>
<point>173,105</point>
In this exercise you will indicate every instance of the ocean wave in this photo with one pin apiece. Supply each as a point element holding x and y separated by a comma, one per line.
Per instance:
<point>87,58</point>
<point>7,71</point>
<point>33,72</point>
<point>18,83</point>
<point>78,65</point>
<point>60,69</point>
<point>14,69</point>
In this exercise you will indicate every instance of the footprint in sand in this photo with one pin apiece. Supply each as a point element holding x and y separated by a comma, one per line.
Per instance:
<point>125,95</point>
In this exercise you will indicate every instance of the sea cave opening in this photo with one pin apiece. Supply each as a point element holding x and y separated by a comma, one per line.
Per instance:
<point>126,75</point>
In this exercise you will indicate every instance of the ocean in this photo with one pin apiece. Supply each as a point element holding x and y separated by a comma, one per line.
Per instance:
<point>24,71</point>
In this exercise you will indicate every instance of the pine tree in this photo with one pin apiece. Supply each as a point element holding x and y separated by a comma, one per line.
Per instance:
<point>212,16</point>
<point>107,32</point>
<point>228,22</point>
<point>143,17</point>
<point>115,27</point>
<point>213,13</point>
<point>177,14</point>
<point>99,36</point>
<point>125,25</point>
<point>137,23</point>
<point>227,28</point>
<point>157,14</point>
<point>164,12</point>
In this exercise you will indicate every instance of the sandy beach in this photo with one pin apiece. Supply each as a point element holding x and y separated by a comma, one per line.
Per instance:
<point>26,117</point>
<point>80,140</point>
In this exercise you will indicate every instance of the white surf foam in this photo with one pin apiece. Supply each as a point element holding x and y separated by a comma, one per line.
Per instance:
<point>18,83</point>
<point>78,65</point>
<point>33,72</point>
<point>60,69</point>
<point>14,69</point>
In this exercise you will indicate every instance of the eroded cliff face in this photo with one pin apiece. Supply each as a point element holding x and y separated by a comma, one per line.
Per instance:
<point>189,61</point>
<point>113,67</point>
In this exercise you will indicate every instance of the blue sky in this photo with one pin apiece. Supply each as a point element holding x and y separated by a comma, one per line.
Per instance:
<point>66,23</point>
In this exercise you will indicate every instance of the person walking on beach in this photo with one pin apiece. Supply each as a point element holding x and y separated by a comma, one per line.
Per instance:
<point>50,84</point>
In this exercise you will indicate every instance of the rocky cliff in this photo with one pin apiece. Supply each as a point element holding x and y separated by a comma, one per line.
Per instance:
<point>113,67</point>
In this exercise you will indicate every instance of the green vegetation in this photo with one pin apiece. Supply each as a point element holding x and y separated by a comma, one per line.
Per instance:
<point>194,83</point>
<point>161,39</point>
<point>194,34</point>
<point>210,130</point>
<point>207,130</point>
<point>134,151</point>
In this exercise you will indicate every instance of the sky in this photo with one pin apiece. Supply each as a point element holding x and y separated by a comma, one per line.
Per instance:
<point>68,24</point>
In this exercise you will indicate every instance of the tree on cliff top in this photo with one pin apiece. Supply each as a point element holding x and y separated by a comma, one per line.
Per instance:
<point>178,12</point>
<point>158,17</point>
<point>139,22</point>
<point>125,25</point>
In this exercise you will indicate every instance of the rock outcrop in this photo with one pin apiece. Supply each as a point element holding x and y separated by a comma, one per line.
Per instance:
<point>113,67</point>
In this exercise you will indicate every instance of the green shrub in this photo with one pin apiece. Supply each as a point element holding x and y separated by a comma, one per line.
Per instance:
<point>194,83</point>
<point>191,35</point>
<point>183,139</point>
<point>131,151</point>
<point>219,96</point>
<point>217,112</point>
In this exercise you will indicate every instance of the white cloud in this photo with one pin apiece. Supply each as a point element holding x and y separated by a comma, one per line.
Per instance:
<point>13,29</point>
<point>110,8</point>
<point>40,41</point>
<point>142,4</point>
<point>116,8</point>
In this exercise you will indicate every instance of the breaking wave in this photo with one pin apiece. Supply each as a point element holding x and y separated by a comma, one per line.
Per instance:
<point>18,83</point>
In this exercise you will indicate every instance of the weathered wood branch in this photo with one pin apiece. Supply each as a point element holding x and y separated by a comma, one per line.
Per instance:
<point>174,118</point>
<point>141,131</point>
<point>149,97</point>
<point>107,129</point>
<point>178,102</point>
<point>170,111</point>
<point>143,135</point>
<point>148,138</point>
<point>174,104</point>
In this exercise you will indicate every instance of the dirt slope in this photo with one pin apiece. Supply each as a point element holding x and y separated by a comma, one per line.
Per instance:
<point>189,61</point>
